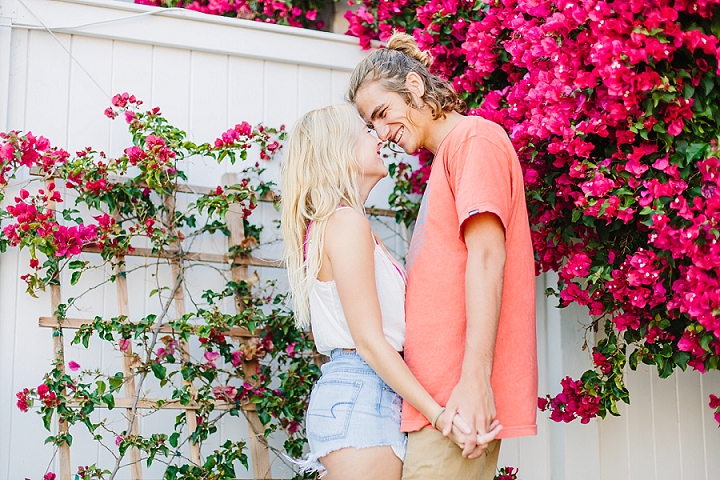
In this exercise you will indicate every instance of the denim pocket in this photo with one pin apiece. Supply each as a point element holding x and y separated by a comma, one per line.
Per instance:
<point>331,405</point>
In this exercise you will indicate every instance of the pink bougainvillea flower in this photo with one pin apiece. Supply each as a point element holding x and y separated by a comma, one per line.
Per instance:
<point>24,401</point>
<point>601,361</point>
<point>73,365</point>
<point>225,392</point>
<point>237,358</point>
<point>49,476</point>
<point>211,358</point>
<point>577,266</point>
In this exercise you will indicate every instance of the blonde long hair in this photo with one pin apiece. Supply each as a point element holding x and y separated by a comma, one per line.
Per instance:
<point>319,173</point>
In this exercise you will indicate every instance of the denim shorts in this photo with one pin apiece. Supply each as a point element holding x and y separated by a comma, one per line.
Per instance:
<point>350,406</point>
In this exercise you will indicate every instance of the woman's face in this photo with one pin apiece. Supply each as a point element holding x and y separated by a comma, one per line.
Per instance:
<point>370,165</point>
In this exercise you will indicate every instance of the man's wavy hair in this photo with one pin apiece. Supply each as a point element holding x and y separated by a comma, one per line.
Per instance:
<point>390,67</point>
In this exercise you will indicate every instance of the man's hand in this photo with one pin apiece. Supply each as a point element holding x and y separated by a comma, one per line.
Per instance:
<point>475,404</point>
<point>460,432</point>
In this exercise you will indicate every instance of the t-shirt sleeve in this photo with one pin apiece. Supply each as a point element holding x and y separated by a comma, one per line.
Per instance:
<point>480,178</point>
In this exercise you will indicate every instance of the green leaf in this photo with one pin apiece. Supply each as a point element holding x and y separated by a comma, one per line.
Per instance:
<point>712,362</point>
<point>694,150</point>
<point>708,83</point>
<point>264,418</point>
<point>116,381</point>
<point>681,359</point>
<point>173,440</point>
<point>109,400</point>
<point>633,360</point>
<point>158,370</point>
<point>75,277</point>
<point>75,264</point>
<point>689,91</point>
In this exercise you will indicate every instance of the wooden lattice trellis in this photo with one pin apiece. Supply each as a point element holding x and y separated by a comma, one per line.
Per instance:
<point>259,451</point>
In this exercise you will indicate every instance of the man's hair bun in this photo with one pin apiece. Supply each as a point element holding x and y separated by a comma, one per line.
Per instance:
<point>402,42</point>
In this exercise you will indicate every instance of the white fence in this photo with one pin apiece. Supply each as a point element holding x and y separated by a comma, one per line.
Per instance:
<point>208,73</point>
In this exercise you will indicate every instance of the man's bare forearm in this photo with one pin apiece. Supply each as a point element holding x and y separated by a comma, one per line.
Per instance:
<point>483,294</point>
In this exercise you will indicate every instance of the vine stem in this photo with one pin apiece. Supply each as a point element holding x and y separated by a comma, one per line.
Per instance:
<point>143,375</point>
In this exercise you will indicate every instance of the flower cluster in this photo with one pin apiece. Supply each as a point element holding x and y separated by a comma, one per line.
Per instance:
<point>243,135</point>
<point>33,225</point>
<point>281,12</point>
<point>573,402</point>
<point>507,473</point>
<point>125,206</point>
<point>24,400</point>
<point>715,405</point>
<point>613,110</point>
<point>29,151</point>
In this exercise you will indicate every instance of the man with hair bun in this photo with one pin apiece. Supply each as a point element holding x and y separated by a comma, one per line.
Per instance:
<point>470,302</point>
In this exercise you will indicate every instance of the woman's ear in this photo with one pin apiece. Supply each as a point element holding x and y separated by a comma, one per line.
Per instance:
<point>416,86</point>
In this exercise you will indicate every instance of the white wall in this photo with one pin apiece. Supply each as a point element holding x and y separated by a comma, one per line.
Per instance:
<point>208,73</point>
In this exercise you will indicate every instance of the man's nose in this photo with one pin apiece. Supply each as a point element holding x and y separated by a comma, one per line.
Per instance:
<point>383,132</point>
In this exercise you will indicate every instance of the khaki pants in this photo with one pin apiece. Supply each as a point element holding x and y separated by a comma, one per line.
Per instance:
<point>431,456</point>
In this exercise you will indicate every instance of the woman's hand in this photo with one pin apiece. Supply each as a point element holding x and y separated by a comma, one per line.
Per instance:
<point>460,430</point>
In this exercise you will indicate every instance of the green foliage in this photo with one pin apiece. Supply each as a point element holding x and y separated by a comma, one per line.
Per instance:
<point>213,362</point>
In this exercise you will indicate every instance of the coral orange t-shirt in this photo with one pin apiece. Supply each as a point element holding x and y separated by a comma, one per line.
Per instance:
<point>475,170</point>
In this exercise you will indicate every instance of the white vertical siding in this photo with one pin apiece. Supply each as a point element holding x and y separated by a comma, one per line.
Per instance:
<point>207,74</point>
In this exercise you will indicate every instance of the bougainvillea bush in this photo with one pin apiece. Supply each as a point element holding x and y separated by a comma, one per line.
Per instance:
<point>295,13</point>
<point>130,203</point>
<point>614,109</point>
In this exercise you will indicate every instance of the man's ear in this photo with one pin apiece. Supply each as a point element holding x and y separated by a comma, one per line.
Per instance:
<point>415,84</point>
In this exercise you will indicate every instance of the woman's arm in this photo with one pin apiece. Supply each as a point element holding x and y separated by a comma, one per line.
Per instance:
<point>350,253</point>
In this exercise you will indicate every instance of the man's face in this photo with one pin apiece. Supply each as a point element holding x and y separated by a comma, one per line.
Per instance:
<point>392,119</point>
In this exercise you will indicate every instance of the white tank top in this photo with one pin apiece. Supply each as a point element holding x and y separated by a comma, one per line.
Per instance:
<point>329,325</point>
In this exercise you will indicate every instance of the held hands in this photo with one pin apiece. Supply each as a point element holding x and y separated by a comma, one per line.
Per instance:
<point>472,409</point>
<point>460,430</point>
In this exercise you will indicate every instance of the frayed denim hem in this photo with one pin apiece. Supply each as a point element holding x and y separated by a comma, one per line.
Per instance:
<point>310,463</point>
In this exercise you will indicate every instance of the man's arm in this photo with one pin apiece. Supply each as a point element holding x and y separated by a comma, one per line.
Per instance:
<point>472,398</point>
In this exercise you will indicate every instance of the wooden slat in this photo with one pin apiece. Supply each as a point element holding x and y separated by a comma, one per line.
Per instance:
<point>197,257</point>
<point>692,460</point>
<point>153,404</point>
<point>666,426</point>
<point>130,391</point>
<point>59,355</point>
<point>76,323</point>
<point>258,449</point>
<point>641,453</point>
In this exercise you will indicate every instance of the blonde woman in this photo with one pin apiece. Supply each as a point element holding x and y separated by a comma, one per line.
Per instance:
<point>346,285</point>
